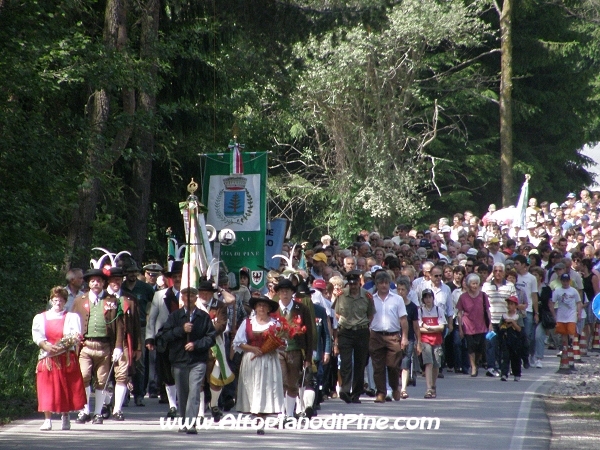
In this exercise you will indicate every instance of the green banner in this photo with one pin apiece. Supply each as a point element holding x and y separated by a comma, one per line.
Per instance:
<point>237,201</point>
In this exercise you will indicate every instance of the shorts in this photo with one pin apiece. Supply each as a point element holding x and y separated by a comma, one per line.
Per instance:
<point>431,354</point>
<point>568,328</point>
<point>408,354</point>
<point>591,317</point>
<point>476,343</point>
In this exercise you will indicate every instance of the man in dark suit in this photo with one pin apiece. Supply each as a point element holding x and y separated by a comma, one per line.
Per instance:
<point>298,353</point>
<point>190,334</point>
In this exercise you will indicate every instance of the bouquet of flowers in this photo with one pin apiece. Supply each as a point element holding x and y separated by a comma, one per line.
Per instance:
<point>68,341</point>
<point>280,332</point>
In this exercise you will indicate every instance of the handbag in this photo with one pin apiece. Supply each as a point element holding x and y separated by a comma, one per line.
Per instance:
<point>548,321</point>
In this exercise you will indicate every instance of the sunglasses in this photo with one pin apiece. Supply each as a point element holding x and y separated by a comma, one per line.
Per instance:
<point>437,276</point>
<point>468,265</point>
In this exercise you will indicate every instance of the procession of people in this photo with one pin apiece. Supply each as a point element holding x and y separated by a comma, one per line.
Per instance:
<point>347,323</point>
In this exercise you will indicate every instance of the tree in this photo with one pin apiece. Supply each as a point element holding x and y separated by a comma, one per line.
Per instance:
<point>364,103</point>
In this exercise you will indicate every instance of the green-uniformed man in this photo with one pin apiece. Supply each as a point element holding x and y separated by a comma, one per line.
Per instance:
<point>354,310</point>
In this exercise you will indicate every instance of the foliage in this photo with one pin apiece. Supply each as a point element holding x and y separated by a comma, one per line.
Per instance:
<point>362,99</point>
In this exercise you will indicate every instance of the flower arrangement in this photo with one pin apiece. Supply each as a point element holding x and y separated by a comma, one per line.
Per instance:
<point>280,332</point>
<point>68,341</point>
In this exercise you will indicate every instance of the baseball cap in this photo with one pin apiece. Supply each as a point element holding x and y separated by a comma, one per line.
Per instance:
<point>319,284</point>
<point>320,257</point>
<point>565,277</point>
<point>513,299</point>
<point>376,268</point>
<point>553,205</point>
<point>571,195</point>
<point>494,240</point>
<point>446,229</point>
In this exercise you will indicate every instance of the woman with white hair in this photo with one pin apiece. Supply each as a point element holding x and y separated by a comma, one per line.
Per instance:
<point>474,320</point>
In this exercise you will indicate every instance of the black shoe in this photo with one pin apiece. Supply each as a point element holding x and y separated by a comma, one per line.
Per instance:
<point>346,397</point>
<point>526,364</point>
<point>83,417</point>
<point>182,430</point>
<point>192,430</point>
<point>371,392</point>
<point>260,432</point>
<point>356,400</point>
<point>216,413</point>
<point>98,420</point>
<point>119,416</point>
<point>139,401</point>
<point>105,412</point>
<point>172,413</point>
<point>309,412</point>
<point>440,375</point>
<point>228,404</point>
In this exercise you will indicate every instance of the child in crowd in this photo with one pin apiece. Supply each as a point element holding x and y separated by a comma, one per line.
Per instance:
<point>568,309</point>
<point>431,322</point>
<point>511,339</point>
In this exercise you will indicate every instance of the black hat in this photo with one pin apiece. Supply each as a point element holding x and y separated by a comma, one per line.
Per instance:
<point>302,290</point>
<point>284,283</point>
<point>353,276</point>
<point>131,267</point>
<point>245,271</point>
<point>116,272</point>
<point>95,273</point>
<point>425,243</point>
<point>206,286</point>
<point>176,267</point>
<point>273,305</point>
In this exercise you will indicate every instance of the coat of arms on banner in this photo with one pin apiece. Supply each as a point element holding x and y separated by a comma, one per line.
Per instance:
<point>234,203</point>
<point>257,276</point>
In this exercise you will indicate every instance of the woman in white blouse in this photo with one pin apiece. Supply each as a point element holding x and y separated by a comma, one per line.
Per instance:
<point>59,381</point>
<point>260,386</point>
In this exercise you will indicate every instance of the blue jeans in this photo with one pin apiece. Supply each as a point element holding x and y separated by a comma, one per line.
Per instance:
<point>540,338</point>
<point>492,348</point>
<point>528,336</point>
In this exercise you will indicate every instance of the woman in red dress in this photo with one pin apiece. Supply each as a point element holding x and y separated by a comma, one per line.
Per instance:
<point>59,381</point>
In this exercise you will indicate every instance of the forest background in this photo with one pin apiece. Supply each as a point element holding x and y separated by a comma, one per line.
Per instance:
<point>375,113</point>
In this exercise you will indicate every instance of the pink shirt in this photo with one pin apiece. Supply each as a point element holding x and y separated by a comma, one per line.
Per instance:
<point>472,318</point>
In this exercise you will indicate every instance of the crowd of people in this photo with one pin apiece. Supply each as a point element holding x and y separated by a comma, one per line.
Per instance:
<point>369,318</point>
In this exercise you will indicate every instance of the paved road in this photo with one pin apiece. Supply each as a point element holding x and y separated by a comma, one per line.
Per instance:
<point>477,412</point>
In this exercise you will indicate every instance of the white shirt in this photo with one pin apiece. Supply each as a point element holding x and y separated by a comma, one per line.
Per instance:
<point>528,284</point>
<point>442,297</point>
<point>38,328</point>
<point>566,301</point>
<point>240,336</point>
<point>388,312</point>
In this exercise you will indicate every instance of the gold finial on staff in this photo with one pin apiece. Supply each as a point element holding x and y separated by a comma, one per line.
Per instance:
<point>192,187</point>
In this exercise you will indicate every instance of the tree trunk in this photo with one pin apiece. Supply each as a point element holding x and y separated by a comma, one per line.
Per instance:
<point>506,120</point>
<point>138,197</point>
<point>99,158</point>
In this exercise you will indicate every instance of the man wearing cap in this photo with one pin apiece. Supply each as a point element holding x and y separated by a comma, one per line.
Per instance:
<point>494,250</point>
<point>568,309</point>
<point>164,303</point>
<point>144,293</point>
<point>385,343</point>
<point>298,352</point>
<point>102,330</point>
<point>132,338</point>
<point>151,273</point>
<point>319,263</point>
<point>190,334</point>
<point>354,310</point>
